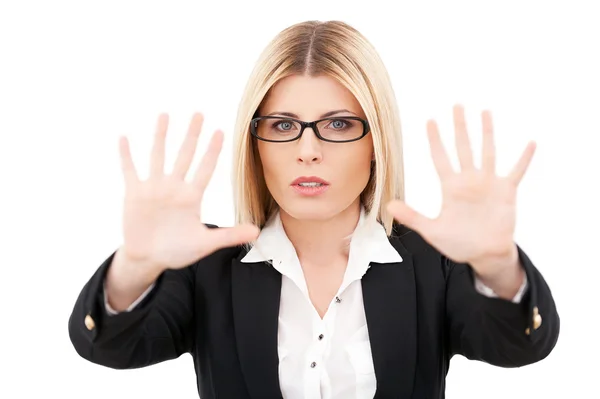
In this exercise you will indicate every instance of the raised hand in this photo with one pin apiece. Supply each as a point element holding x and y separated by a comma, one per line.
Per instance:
<point>476,223</point>
<point>161,221</point>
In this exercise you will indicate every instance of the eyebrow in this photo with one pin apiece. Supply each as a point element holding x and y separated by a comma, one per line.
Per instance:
<point>325,115</point>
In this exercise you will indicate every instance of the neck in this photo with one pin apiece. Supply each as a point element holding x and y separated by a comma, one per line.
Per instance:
<point>324,240</point>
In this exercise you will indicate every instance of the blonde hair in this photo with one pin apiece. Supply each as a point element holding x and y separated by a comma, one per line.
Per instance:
<point>335,49</point>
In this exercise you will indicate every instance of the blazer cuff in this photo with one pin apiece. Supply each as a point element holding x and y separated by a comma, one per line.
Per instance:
<point>487,291</point>
<point>90,320</point>
<point>135,303</point>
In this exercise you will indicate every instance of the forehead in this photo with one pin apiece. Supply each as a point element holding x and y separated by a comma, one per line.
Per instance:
<point>309,96</point>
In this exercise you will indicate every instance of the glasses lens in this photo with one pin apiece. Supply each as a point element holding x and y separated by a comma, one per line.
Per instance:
<point>335,129</point>
<point>340,129</point>
<point>277,129</point>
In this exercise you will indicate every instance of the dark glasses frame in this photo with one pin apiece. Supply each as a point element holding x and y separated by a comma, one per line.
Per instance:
<point>312,125</point>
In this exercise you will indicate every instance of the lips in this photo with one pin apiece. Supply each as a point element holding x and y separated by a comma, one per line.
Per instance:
<point>310,186</point>
<point>310,181</point>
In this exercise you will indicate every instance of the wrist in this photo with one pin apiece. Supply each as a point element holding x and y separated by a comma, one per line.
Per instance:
<point>504,274</point>
<point>127,279</point>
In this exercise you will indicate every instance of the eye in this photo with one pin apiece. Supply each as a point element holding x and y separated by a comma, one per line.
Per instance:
<point>339,124</point>
<point>284,125</point>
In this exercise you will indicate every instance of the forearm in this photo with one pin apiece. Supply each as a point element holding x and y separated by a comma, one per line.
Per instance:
<point>126,280</point>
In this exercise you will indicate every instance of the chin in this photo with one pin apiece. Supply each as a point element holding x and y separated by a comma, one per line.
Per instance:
<point>315,208</point>
<point>311,209</point>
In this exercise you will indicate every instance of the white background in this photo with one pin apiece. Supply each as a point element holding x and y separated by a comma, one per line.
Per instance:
<point>74,75</point>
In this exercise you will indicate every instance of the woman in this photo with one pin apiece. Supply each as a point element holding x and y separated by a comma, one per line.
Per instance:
<point>317,292</point>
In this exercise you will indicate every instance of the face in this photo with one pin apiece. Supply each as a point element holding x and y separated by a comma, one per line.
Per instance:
<point>344,167</point>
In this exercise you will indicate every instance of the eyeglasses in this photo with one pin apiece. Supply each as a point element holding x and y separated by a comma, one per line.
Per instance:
<point>279,129</point>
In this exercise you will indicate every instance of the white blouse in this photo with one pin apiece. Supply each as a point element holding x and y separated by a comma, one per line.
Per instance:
<point>327,358</point>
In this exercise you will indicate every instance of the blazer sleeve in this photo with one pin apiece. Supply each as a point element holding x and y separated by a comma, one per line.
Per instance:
<point>159,328</point>
<point>498,331</point>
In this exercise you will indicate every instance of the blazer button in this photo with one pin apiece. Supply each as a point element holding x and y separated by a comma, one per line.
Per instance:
<point>537,318</point>
<point>313,365</point>
<point>90,324</point>
<point>537,321</point>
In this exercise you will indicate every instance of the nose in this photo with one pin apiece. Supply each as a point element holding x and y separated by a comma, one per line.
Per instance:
<point>309,147</point>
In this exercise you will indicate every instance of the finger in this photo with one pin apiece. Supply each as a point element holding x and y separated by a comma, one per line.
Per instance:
<point>127,166</point>
<point>157,158</point>
<point>438,153</point>
<point>411,218</point>
<point>521,166</point>
<point>463,145</point>
<point>488,157</point>
<point>224,237</point>
<point>208,163</point>
<point>188,148</point>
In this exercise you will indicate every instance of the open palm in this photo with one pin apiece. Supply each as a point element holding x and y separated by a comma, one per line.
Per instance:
<point>161,214</point>
<point>478,214</point>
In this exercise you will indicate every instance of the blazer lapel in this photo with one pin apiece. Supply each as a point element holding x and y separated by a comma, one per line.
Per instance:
<point>389,295</point>
<point>256,290</point>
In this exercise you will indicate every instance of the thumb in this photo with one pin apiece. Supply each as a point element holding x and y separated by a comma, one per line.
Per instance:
<point>409,217</point>
<point>223,237</point>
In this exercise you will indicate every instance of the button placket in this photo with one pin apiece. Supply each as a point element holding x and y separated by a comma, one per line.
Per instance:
<point>317,348</point>
<point>313,358</point>
<point>320,333</point>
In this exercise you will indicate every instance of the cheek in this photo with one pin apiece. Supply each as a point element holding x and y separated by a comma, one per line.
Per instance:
<point>356,172</point>
<point>272,165</point>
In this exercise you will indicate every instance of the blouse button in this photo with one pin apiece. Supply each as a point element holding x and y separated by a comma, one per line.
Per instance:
<point>313,365</point>
<point>320,337</point>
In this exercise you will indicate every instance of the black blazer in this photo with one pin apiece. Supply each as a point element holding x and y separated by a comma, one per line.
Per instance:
<point>420,313</point>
